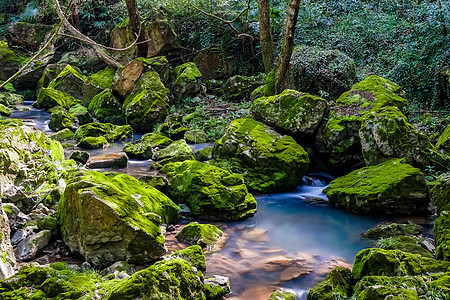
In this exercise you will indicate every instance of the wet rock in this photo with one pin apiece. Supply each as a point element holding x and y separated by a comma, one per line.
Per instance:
<point>393,187</point>
<point>91,142</point>
<point>187,81</point>
<point>210,192</point>
<point>217,287</point>
<point>8,260</point>
<point>80,156</point>
<point>247,253</point>
<point>114,161</point>
<point>106,130</point>
<point>96,83</point>
<point>255,291</point>
<point>338,282</point>
<point>321,72</point>
<point>269,161</point>
<point>394,229</point>
<point>147,104</point>
<point>147,146</point>
<point>127,219</point>
<point>291,266</point>
<point>256,235</point>
<point>107,108</point>
<point>204,235</point>
<point>291,111</point>
<point>29,246</point>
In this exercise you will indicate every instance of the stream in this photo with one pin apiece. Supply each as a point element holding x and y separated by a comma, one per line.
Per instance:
<point>293,241</point>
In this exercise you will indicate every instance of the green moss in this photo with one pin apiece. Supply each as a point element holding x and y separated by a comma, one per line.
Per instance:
<point>61,119</point>
<point>81,113</point>
<point>67,71</point>
<point>107,108</point>
<point>444,141</point>
<point>205,235</point>
<point>383,287</point>
<point>144,148</point>
<point>103,78</point>
<point>193,254</point>
<point>440,192</point>
<point>337,284</point>
<point>379,262</point>
<point>91,142</point>
<point>177,148</point>
<point>282,296</point>
<point>62,135</point>
<point>210,192</point>
<point>196,136</point>
<point>405,244</point>
<point>271,162</point>
<point>269,86</point>
<point>5,111</point>
<point>204,153</point>
<point>394,229</point>
<point>187,80</point>
<point>392,187</point>
<point>442,235</point>
<point>107,130</point>
<point>49,97</point>
<point>291,111</point>
<point>375,92</point>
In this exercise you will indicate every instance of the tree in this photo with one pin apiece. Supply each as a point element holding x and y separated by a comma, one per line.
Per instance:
<point>265,35</point>
<point>136,27</point>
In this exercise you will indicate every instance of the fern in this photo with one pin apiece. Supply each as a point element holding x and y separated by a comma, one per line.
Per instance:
<point>30,13</point>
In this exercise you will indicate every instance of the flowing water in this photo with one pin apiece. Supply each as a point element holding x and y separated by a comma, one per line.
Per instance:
<point>293,241</point>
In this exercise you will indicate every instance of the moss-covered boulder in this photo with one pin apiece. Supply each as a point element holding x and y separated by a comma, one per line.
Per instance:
<point>443,142</point>
<point>210,192</point>
<point>148,103</point>
<point>384,287</point>
<point>187,80</point>
<point>270,161</point>
<point>393,229</point>
<point>62,135</point>
<point>337,284</point>
<point>126,78</point>
<point>61,119</point>
<point>8,260</point>
<point>92,142</point>
<point>282,296</point>
<point>239,88</point>
<point>291,111</point>
<point>386,133</point>
<point>375,92</point>
<point>372,261</point>
<point>107,130</point>
<point>204,153</point>
<point>393,187</point>
<point>9,61</point>
<point>442,235</point>
<point>106,108</point>
<point>50,97</point>
<point>128,215</point>
<point>176,151</point>
<point>405,243</point>
<point>81,113</point>
<point>205,235</point>
<point>10,99</point>
<point>96,83</point>
<point>147,146</point>
<point>5,111</point>
<point>214,63</point>
<point>440,192</point>
<point>195,136</point>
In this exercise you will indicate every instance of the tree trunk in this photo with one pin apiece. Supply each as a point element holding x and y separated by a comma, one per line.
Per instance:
<point>288,45</point>
<point>74,18</point>
<point>135,22</point>
<point>265,35</point>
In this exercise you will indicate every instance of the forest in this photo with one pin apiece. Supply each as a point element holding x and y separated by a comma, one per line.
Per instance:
<point>225,149</point>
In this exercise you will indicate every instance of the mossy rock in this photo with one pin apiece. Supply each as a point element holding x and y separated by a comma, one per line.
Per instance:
<point>62,135</point>
<point>9,61</point>
<point>128,215</point>
<point>239,88</point>
<point>61,119</point>
<point>159,182</point>
<point>195,136</point>
<point>80,156</point>
<point>386,133</point>
<point>394,229</point>
<point>384,287</point>
<point>107,130</point>
<point>282,296</point>
<point>204,153</point>
<point>204,235</point>
<point>8,260</point>
<point>5,111</point>
<point>174,279</point>
<point>177,148</point>
<point>375,92</point>
<point>9,98</point>
<point>148,103</point>
<point>337,284</point>
<point>187,80</point>
<point>440,192</point>
<point>406,244</point>
<point>91,142</point>
<point>146,147</point>
<point>193,254</point>
<point>107,108</point>
<point>379,262</point>
<point>270,161</point>
<point>50,97</point>
<point>291,111</point>
<point>442,235</point>
<point>210,192</point>
<point>393,187</point>
<point>96,83</point>
<point>81,113</point>
<point>159,64</point>
<point>443,142</point>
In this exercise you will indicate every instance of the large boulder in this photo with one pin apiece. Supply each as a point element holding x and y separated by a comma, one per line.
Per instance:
<point>8,260</point>
<point>269,161</point>
<point>176,151</point>
<point>214,64</point>
<point>375,92</point>
<point>107,130</point>
<point>9,61</point>
<point>239,88</point>
<point>27,35</point>
<point>61,119</point>
<point>210,192</point>
<point>293,112</point>
<point>147,146</point>
<point>107,108</point>
<point>440,192</point>
<point>386,133</point>
<point>442,235</point>
<point>337,283</point>
<point>205,235</point>
<point>187,80</point>
<point>328,73</point>
<point>96,83</point>
<point>390,188</point>
<point>126,77</point>
<point>112,217</point>
<point>148,103</point>
<point>84,58</point>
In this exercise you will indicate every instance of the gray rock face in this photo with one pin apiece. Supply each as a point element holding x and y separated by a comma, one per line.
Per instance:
<point>29,247</point>
<point>115,161</point>
<point>8,260</point>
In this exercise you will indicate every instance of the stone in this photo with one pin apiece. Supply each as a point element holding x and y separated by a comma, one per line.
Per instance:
<point>217,287</point>
<point>386,133</point>
<point>187,80</point>
<point>443,142</point>
<point>177,148</point>
<point>27,35</point>
<point>7,259</point>
<point>106,108</point>
<point>327,73</point>
<point>375,92</point>
<point>29,247</point>
<point>161,38</point>
<point>108,161</point>
<point>121,267</point>
<point>239,88</point>
<point>128,215</point>
<point>384,287</point>
<point>440,192</point>
<point>296,113</point>
<point>96,83</point>
<point>107,130</point>
<point>148,103</point>
<point>210,192</point>
<point>50,97</point>
<point>282,296</point>
<point>84,58</point>
<point>125,78</point>
<point>204,154</point>
<point>80,156</point>
<point>405,243</point>
<point>393,229</point>
<point>391,188</point>
<point>122,37</point>
<point>10,99</point>
<point>62,135</point>
<point>159,182</point>
<point>442,235</point>
<point>9,61</point>
<point>269,161</point>
<point>159,64</point>
<point>5,111</point>
<point>81,113</point>
<point>204,235</point>
<point>92,142</point>
<point>61,119</point>
<point>214,64</point>
<point>195,136</point>
<point>147,146</point>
